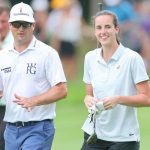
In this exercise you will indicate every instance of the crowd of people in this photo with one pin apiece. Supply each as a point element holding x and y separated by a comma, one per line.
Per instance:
<point>38,55</point>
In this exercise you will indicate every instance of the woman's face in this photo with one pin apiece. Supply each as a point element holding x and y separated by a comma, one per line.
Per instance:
<point>105,31</point>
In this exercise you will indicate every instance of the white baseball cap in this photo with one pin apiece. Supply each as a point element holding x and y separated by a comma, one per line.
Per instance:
<point>21,12</point>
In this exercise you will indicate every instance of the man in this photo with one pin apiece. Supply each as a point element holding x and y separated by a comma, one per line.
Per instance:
<point>5,39</point>
<point>32,80</point>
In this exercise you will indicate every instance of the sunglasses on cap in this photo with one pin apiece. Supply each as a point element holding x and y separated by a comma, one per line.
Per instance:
<point>18,24</point>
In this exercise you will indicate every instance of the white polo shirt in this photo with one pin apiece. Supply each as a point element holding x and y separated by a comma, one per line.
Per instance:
<point>117,77</point>
<point>28,74</point>
<point>8,39</point>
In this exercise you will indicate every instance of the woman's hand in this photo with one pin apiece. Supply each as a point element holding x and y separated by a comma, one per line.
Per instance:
<point>110,102</point>
<point>89,101</point>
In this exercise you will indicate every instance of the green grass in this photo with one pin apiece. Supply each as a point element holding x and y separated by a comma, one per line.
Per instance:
<point>71,112</point>
<point>70,117</point>
<point>144,120</point>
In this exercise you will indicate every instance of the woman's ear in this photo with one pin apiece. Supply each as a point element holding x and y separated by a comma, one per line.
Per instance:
<point>117,29</point>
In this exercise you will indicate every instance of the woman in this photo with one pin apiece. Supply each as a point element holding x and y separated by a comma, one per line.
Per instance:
<point>116,76</point>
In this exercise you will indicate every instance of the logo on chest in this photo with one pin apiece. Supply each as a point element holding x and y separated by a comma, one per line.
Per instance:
<point>6,70</point>
<point>31,68</point>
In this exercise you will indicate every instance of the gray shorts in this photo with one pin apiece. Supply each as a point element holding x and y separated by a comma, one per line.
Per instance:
<point>107,145</point>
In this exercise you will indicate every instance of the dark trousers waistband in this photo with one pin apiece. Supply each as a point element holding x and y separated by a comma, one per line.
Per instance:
<point>29,123</point>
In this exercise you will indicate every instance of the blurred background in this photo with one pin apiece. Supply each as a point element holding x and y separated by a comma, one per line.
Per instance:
<point>66,25</point>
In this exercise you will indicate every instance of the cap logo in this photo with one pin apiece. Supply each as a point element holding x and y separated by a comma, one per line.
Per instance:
<point>21,10</point>
<point>24,14</point>
<point>21,13</point>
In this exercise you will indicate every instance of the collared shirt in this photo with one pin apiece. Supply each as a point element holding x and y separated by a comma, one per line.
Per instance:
<point>7,41</point>
<point>117,77</point>
<point>29,73</point>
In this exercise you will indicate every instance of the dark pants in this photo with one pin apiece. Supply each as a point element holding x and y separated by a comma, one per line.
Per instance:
<point>2,127</point>
<point>107,145</point>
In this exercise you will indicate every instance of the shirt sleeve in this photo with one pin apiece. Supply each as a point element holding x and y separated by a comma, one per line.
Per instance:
<point>86,75</point>
<point>139,73</point>
<point>54,69</point>
<point>1,83</point>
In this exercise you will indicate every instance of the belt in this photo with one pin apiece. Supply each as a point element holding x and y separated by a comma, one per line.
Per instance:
<point>20,124</point>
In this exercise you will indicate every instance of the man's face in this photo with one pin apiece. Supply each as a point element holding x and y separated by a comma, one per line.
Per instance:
<point>4,25</point>
<point>22,31</point>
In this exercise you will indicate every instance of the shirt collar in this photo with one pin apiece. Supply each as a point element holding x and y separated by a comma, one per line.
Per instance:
<point>115,56</point>
<point>98,54</point>
<point>118,52</point>
<point>31,46</point>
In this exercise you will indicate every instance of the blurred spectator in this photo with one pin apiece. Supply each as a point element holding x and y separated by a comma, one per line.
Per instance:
<point>64,25</point>
<point>13,2</point>
<point>5,34</point>
<point>122,8</point>
<point>143,9</point>
<point>41,8</point>
<point>5,39</point>
<point>129,24</point>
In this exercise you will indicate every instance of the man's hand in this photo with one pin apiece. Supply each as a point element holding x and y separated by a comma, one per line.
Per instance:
<point>24,102</point>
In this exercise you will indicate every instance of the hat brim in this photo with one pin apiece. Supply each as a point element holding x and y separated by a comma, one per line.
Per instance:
<point>21,18</point>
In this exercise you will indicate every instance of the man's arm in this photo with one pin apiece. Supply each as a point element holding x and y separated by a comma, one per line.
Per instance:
<point>54,94</point>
